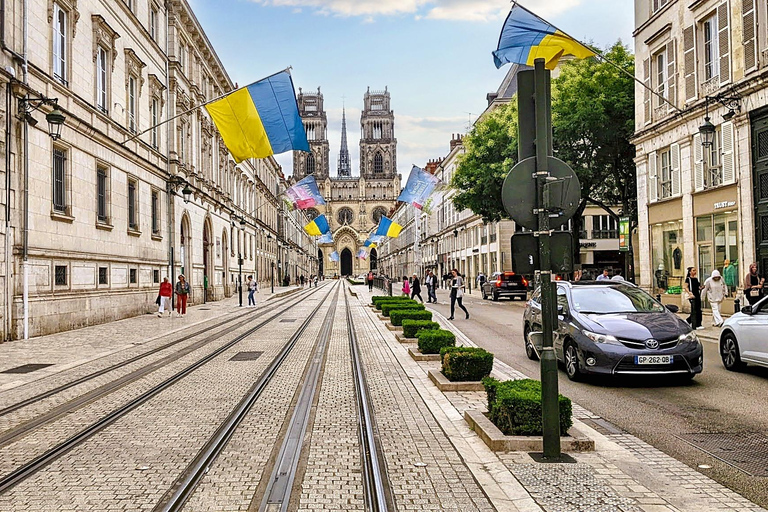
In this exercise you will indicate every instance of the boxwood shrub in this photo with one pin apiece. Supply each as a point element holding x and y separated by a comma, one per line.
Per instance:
<point>514,406</point>
<point>430,342</point>
<point>381,303</point>
<point>386,307</point>
<point>379,298</point>
<point>466,363</point>
<point>398,315</point>
<point>411,327</point>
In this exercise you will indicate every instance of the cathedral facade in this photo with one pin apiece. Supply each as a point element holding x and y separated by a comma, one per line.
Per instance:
<point>354,203</point>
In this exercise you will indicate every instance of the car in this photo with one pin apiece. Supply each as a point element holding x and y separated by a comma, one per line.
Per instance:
<point>614,328</point>
<point>505,284</point>
<point>744,337</point>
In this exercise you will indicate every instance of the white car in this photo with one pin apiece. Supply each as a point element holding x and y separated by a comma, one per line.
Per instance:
<point>744,337</point>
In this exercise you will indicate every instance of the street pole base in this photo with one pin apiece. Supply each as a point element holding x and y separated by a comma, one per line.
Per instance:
<point>562,459</point>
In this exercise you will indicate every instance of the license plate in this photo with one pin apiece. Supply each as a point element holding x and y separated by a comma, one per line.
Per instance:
<point>654,359</point>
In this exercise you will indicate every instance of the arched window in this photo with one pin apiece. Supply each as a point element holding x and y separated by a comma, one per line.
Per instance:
<point>311,164</point>
<point>378,164</point>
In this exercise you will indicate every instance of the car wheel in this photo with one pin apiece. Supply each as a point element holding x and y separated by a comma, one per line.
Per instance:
<point>530,350</point>
<point>495,296</point>
<point>729,352</point>
<point>572,363</point>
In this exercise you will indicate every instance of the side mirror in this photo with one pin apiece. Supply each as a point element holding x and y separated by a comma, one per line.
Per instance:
<point>747,310</point>
<point>672,308</point>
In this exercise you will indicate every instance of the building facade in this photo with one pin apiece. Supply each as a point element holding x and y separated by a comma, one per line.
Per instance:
<point>702,203</point>
<point>355,204</point>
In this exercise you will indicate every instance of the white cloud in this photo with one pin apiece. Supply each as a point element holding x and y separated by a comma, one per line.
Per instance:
<point>486,10</point>
<point>353,7</point>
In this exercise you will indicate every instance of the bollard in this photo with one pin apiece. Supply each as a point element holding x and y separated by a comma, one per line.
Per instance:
<point>658,297</point>
<point>736,306</point>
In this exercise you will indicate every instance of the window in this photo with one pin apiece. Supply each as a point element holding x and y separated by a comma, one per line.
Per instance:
<point>153,22</point>
<point>103,275</point>
<point>155,114</point>
<point>60,275</point>
<point>377,130</point>
<point>133,221</point>
<point>59,180</point>
<point>604,227</point>
<point>658,4</point>
<point>182,132</point>
<point>132,104</point>
<point>661,76</point>
<point>102,190</point>
<point>132,276</point>
<point>155,276</point>
<point>711,49</point>
<point>378,164</point>
<point>665,172</point>
<point>714,176</point>
<point>310,164</point>
<point>129,3</point>
<point>182,57</point>
<point>155,213</point>
<point>60,44</point>
<point>101,79</point>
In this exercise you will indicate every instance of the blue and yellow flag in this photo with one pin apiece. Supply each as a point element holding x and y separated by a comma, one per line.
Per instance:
<point>525,37</point>
<point>319,226</point>
<point>261,119</point>
<point>388,228</point>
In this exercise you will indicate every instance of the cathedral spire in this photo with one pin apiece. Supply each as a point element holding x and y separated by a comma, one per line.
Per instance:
<point>344,168</point>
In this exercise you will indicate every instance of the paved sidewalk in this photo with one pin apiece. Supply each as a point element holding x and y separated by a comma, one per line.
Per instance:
<point>623,474</point>
<point>68,349</point>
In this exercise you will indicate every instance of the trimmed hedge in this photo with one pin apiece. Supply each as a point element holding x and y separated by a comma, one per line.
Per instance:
<point>430,342</point>
<point>466,363</point>
<point>386,307</point>
<point>411,327</point>
<point>379,298</point>
<point>400,301</point>
<point>514,406</point>
<point>398,315</point>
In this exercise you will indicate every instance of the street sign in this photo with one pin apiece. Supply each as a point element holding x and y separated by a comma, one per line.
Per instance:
<point>519,192</point>
<point>624,234</point>
<point>525,253</point>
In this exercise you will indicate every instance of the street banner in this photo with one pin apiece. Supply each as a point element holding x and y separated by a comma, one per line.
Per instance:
<point>305,194</point>
<point>419,186</point>
<point>624,234</point>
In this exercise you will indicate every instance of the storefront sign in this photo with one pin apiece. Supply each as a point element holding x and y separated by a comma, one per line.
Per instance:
<point>587,245</point>
<point>624,234</point>
<point>724,204</point>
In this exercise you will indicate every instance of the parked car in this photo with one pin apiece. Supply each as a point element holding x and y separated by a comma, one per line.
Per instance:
<point>613,328</point>
<point>744,337</point>
<point>505,284</point>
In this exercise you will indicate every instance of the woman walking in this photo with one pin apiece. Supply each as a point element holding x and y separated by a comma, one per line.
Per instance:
<point>416,288</point>
<point>753,285</point>
<point>182,292</point>
<point>253,287</point>
<point>692,293</point>
<point>457,292</point>
<point>715,290</point>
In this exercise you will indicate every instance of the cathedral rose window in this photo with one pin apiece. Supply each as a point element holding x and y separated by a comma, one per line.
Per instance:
<point>345,216</point>
<point>378,213</point>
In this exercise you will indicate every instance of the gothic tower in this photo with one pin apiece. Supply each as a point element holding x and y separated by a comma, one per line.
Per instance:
<point>378,146</point>
<point>316,125</point>
<point>344,168</point>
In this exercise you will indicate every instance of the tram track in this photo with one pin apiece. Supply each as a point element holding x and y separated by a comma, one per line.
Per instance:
<point>31,467</point>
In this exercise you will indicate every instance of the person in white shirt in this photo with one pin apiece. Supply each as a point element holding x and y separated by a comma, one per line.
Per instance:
<point>715,290</point>
<point>604,275</point>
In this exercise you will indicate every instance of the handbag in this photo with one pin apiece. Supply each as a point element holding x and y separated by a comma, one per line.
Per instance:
<point>157,301</point>
<point>754,292</point>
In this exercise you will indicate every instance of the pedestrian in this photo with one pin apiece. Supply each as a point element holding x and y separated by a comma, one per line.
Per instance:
<point>457,292</point>
<point>406,286</point>
<point>730,275</point>
<point>431,282</point>
<point>604,276</point>
<point>182,292</point>
<point>617,277</point>
<point>715,290</point>
<point>370,280</point>
<point>753,285</point>
<point>302,280</point>
<point>253,287</point>
<point>416,288</point>
<point>693,294</point>
<point>481,279</point>
<point>164,298</point>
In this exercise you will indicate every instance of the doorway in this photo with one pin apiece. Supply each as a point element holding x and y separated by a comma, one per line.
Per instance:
<point>760,185</point>
<point>346,262</point>
<point>373,259</point>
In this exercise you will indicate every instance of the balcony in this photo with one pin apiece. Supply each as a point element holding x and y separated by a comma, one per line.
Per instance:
<point>709,87</point>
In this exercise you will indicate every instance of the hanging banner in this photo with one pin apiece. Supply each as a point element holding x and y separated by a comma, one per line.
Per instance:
<point>624,234</point>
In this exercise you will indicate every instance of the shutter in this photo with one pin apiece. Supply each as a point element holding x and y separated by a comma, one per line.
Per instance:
<point>722,36</point>
<point>671,73</point>
<point>729,174</point>
<point>689,63</point>
<point>674,167</point>
<point>647,90</point>
<point>653,187</point>
<point>749,31</point>
<point>698,163</point>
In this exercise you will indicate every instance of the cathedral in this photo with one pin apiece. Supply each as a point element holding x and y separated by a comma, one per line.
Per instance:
<point>354,203</point>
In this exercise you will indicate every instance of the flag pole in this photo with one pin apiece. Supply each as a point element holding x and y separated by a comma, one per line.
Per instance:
<point>136,136</point>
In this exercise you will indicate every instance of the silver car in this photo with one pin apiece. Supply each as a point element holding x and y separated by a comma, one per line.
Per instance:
<point>744,337</point>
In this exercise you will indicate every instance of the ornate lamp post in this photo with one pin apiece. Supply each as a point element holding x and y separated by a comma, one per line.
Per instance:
<point>240,264</point>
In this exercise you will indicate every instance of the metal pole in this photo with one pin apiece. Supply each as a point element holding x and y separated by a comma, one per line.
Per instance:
<point>549,395</point>
<point>240,278</point>
<point>273,278</point>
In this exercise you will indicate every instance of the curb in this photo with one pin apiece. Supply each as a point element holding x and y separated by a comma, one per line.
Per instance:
<point>418,356</point>
<point>443,384</point>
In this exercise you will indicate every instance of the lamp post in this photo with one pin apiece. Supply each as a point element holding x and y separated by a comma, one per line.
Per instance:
<point>240,264</point>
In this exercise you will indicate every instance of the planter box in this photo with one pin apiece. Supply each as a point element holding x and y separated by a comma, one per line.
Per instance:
<point>443,384</point>
<point>403,339</point>
<point>383,318</point>
<point>394,327</point>
<point>418,356</point>
<point>576,441</point>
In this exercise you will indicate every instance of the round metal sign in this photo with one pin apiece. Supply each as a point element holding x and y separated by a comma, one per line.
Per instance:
<point>519,192</point>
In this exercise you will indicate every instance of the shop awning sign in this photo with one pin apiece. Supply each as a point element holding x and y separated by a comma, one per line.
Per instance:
<point>624,234</point>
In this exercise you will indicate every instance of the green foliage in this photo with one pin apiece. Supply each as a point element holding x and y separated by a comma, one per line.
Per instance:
<point>514,406</point>
<point>404,301</point>
<point>384,298</point>
<point>430,342</point>
<point>466,363</point>
<point>386,307</point>
<point>398,315</point>
<point>411,327</point>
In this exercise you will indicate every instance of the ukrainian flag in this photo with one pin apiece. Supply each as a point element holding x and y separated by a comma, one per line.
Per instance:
<point>261,119</point>
<point>388,228</point>
<point>526,37</point>
<point>319,226</point>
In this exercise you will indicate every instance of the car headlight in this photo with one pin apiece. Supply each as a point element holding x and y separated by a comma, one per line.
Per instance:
<point>688,338</point>
<point>601,338</point>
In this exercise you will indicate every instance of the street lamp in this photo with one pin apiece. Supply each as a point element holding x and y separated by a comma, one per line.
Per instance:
<point>187,193</point>
<point>55,118</point>
<point>240,262</point>
<point>707,130</point>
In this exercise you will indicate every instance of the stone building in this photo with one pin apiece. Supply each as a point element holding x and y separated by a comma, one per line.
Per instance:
<point>96,218</point>
<point>354,203</point>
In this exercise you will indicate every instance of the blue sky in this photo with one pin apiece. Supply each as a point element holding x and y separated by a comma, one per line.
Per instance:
<point>433,55</point>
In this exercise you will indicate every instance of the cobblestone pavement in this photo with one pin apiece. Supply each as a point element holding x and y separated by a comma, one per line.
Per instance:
<point>130,464</point>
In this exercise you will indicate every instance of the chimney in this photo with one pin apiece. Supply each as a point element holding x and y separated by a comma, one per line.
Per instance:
<point>455,140</point>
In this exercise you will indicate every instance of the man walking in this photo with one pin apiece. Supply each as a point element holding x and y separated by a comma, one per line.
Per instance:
<point>253,287</point>
<point>166,291</point>
<point>416,288</point>
<point>370,280</point>
<point>431,282</point>
<point>604,276</point>
<point>182,293</point>
<point>715,290</point>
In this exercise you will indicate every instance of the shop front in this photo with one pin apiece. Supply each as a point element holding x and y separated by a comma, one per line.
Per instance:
<point>717,235</point>
<point>667,247</point>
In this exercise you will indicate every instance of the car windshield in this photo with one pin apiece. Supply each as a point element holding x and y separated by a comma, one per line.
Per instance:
<point>613,299</point>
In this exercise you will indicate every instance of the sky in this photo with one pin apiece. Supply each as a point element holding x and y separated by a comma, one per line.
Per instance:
<point>434,56</point>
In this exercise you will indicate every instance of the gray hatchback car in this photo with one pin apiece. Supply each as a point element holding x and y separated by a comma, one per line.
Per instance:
<point>613,328</point>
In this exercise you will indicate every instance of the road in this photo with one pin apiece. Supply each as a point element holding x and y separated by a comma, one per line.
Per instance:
<point>716,401</point>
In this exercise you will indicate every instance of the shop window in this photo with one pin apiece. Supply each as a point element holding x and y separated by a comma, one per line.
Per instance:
<point>667,255</point>
<point>717,242</point>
